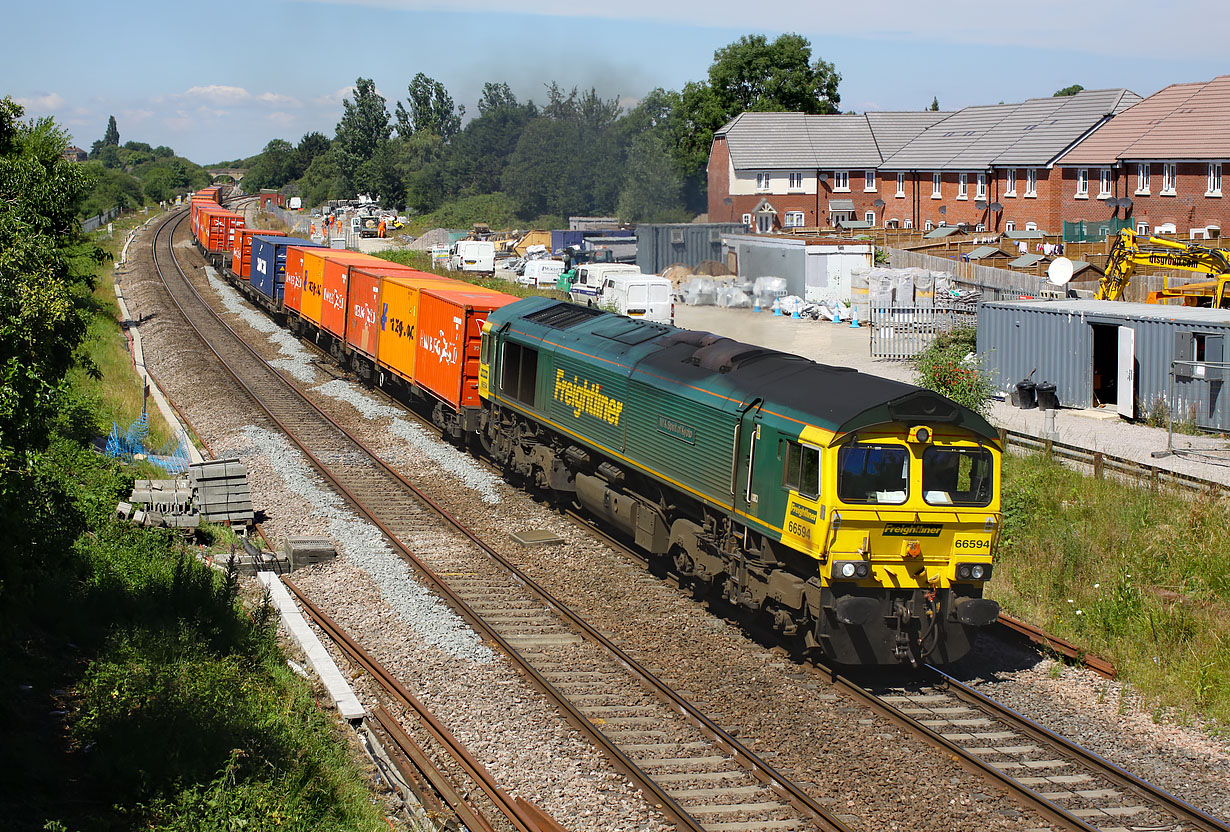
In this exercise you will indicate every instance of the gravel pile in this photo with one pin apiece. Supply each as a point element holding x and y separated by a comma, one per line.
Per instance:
<point>435,237</point>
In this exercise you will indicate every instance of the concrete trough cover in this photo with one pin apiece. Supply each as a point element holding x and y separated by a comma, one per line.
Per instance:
<point>536,537</point>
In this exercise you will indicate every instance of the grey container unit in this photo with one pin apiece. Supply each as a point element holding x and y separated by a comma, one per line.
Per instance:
<point>1077,345</point>
<point>661,246</point>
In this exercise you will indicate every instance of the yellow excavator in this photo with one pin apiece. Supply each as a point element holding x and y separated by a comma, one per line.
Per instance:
<point>1131,250</point>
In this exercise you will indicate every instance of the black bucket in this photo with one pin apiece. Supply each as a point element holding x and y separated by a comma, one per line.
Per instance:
<point>1026,398</point>
<point>1047,400</point>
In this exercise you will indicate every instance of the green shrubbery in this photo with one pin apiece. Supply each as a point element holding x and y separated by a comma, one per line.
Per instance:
<point>943,367</point>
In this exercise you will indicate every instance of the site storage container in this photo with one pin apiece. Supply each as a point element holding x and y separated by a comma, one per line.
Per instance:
<point>399,315</point>
<point>450,330</point>
<point>364,305</point>
<point>241,255</point>
<point>334,282</point>
<point>268,263</point>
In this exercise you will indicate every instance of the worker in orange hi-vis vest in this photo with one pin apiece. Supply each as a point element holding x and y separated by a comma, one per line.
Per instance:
<point>380,228</point>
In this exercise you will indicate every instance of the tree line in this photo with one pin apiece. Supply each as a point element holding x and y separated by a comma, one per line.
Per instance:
<point>572,152</point>
<point>128,176</point>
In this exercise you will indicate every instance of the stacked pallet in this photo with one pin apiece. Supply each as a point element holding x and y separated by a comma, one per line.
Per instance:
<point>221,492</point>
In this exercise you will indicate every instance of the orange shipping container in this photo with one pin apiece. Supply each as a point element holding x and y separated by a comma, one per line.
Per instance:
<point>335,284</point>
<point>241,255</point>
<point>217,228</point>
<point>292,297</point>
<point>314,278</point>
<point>450,331</point>
<point>399,314</point>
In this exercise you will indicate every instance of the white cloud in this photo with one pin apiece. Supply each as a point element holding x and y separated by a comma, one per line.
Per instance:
<point>1053,24</point>
<point>42,103</point>
<point>224,95</point>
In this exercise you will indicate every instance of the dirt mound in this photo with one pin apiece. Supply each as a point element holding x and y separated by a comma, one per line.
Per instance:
<point>434,237</point>
<point>712,268</point>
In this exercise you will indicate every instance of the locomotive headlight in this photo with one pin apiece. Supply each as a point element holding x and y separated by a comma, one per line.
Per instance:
<point>848,570</point>
<point>851,569</point>
<point>973,571</point>
<point>963,570</point>
<point>920,434</point>
<point>977,571</point>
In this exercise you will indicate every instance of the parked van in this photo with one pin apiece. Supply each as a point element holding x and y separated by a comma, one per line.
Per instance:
<point>473,256</point>
<point>644,296</point>
<point>588,281</point>
<point>541,273</point>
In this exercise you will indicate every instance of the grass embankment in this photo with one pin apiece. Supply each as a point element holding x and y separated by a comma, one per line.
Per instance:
<point>421,260</point>
<point>1141,578</point>
<point>139,690</point>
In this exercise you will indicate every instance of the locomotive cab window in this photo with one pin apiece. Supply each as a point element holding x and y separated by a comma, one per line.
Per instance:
<point>485,352</point>
<point>519,372</point>
<point>873,474</point>
<point>800,468</point>
<point>957,476</point>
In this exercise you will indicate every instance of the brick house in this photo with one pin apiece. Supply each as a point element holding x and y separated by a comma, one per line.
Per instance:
<point>786,170</point>
<point>74,154</point>
<point>1157,165</point>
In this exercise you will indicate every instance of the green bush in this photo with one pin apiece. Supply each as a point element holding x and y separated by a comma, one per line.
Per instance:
<point>943,367</point>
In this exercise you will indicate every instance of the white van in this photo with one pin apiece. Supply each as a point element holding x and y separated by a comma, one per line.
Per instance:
<point>541,273</point>
<point>473,256</point>
<point>588,281</point>
<point>644,296</point>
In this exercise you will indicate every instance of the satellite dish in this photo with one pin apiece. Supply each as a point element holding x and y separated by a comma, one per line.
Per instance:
<point>943,209</point>
<point>996,206</point>
<point>1059,272</point>
<point>824,177</point>
<point>980,204</point>
<point>1125,202</point>
<point>1112,203</point>
<point>879,203</point>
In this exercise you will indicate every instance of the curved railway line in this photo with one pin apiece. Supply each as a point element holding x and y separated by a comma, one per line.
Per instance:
<point>698,775</point>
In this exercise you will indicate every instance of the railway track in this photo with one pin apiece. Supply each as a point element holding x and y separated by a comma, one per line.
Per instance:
<point>698,775</point>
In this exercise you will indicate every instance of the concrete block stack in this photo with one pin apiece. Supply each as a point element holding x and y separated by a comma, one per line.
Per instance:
<point>221,492</point>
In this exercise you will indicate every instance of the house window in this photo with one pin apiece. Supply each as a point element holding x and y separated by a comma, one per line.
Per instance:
<point>841,180</point>
<point>1142,178</point>
<point>963,186</point>
<point>1031,226</point>
<point>869,180</point>
<point>1165,228</point>
<point>518,372</point>
<point>796,181</point>
<point>762,181</point>
<point>800,467</point>
<point>893,223</point>
<point>909,223</point>
<point>1010,226</point>
<point>901,184</point>
<point>980,227</point>
<point>747,220</point>
<point>928,225</point>
<point>935,186</point>
<point>1010,182</point>
<point>1214,179</point>
<point>870,216</point>
<point>982,187</point>
<point>1104,182</point>
<point>1031,182</point>
<point>1168,178</point>
<point>794,219</point>
<point>1082,182</point>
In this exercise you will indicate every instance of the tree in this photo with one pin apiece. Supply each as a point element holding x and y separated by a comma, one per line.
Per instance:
<point>273,168</point>
<point>754,74</point>
<point>1066,91</point>
<point>653,188</point>
<point>363,129</point>
<point>112,136</point>
<point>935,103</point>
<point>163,152</point>
<point>431,110</point>
<point>379,177</point>
<point>310,146</point>
<point>496,96</point>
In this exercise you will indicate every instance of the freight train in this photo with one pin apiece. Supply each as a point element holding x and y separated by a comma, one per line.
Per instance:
<point>855,515</point>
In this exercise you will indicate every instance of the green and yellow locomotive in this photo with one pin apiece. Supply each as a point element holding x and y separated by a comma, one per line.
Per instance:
<point>856,513</point>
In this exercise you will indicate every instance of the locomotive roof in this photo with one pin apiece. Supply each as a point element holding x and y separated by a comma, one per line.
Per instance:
<point>840,399</point>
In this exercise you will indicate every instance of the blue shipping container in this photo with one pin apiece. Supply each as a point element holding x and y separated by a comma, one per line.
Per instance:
<point>268,273</point>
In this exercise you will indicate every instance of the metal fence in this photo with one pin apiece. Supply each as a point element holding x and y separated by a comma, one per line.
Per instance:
<point>300,225</point>
<point>92,223</point>
<point>1086,231</point>
<point>995,284</point>
<point>899,333</point>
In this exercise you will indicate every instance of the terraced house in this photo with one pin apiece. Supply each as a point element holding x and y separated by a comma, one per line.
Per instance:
<point>1157,165</point>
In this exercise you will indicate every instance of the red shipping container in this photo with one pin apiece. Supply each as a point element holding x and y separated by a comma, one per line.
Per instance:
<point>363,305</point>
<point>217,229</point>
<point>241,255</point>
<point>293,292</point>
<point>334,280</point>
<point>450,331</point>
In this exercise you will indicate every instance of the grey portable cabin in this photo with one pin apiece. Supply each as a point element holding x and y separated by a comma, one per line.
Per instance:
<point>1113,354</point>
<point>659,246</point>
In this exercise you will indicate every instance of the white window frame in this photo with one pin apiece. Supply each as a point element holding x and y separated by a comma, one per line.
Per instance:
<point>981,187</point>
<point>747,220</point>
<point>764,222</point>
<point>1031,182</point>
<point>962,186</point>
<point>795,219</point>
<point>841,181</point>
<point>937,185</point>
<point>980,227</point>
<point>1010,182</point>
<point>1142,228</point>
<point>908,223</point>
<point>1166,228</point>
<point>1082,183</point>
<point>900,184</point>
<point>1170,178</point>
<point>1142,178</point>
<point>870,216</point>
<point>1105,181</point>
<point>928,226</point>
<point>1010,225</point>
<point>1214,183</point>
<point>763,181</point>
<point>893,223</point>
<point>869,181</point>
<point>796,181</point>
<point>1031,226</point>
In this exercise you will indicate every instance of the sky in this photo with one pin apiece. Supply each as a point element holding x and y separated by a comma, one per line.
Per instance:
<point>217,80</point>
